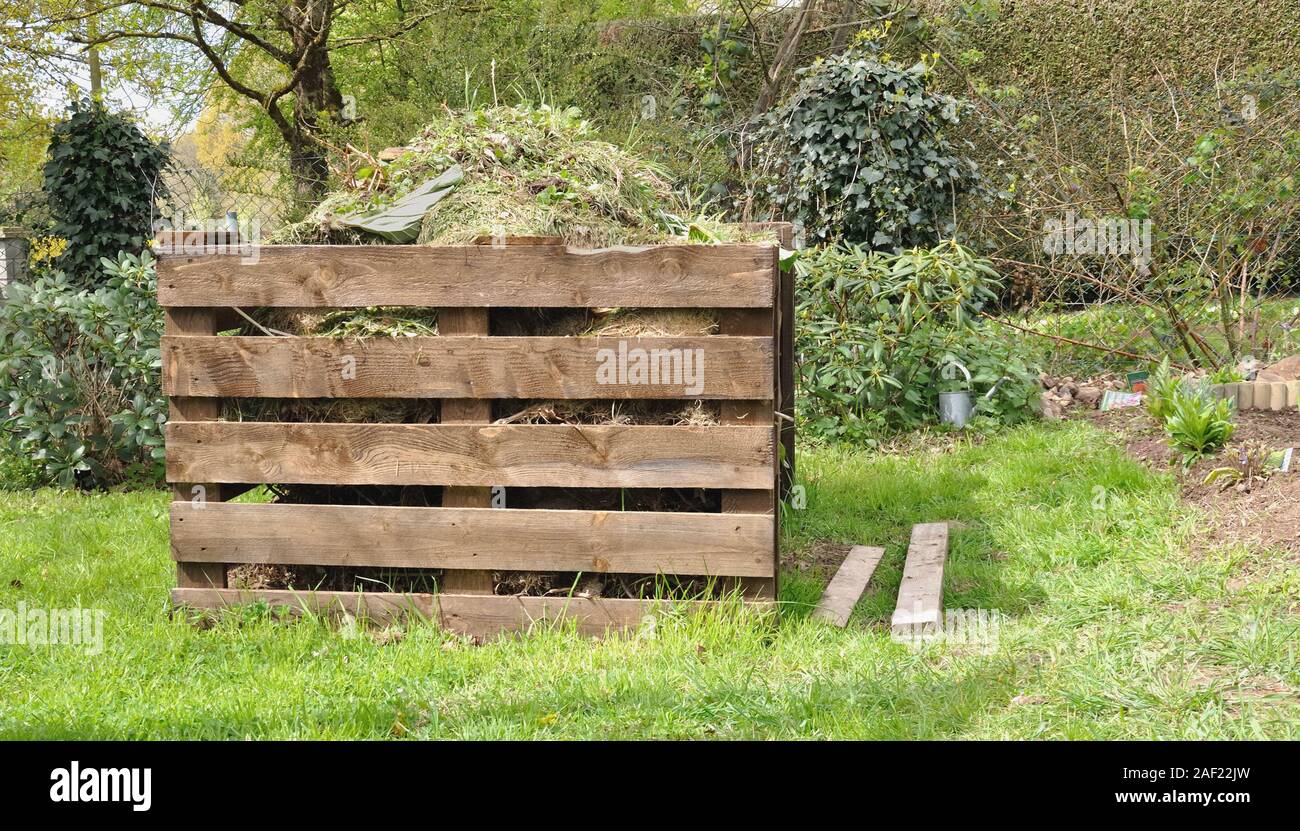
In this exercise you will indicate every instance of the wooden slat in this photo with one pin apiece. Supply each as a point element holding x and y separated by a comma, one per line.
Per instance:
<point>785,378</point>
<point>920,596</point>
<point>534,455</point>
<point>784,233</point>
<point>195,322</point>
<point>723,276</point>
<point>462,411</point>
<point>756,414</point>
<point>847,586</point>
<point>479,616</point>
<point>635,542</point>
<point>459,367</point>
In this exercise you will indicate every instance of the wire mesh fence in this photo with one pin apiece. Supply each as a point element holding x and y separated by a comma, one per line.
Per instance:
<point>1146,225</point>
<point>252,201</point>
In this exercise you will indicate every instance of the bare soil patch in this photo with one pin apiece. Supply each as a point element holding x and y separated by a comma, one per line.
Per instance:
<point>1265,515</point>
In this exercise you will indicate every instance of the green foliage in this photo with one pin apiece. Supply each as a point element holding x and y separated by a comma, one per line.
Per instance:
<point>18,472</point>
<point>79,374</point>
<point>862,155</point>
<point>875,330</point>
<point>102,178</point>
<point>1162,387</point>
<point>1197,423</point>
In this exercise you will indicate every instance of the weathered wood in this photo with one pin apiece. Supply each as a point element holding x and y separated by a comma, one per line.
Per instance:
<point>533,455</point>
<point>848,584</point>
<point>785,380</point>
<point>460,411</point>
<point>184,322</point>
<point>785,325</point>
<point>731,276</point>
<point>757,414</point>
<point>478,616</point>
<point>462,367</point>
<point>635,542</point>
<point>920,596</point>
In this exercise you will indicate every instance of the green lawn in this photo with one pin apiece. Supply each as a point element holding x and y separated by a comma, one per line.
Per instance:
<point>1111,629</point>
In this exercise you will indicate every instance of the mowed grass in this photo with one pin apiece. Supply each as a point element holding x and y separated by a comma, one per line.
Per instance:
<point>1111,628</point>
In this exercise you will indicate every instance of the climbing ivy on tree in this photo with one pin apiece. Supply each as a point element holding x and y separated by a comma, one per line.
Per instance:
<point>101,177</point>
<point>861,153</point>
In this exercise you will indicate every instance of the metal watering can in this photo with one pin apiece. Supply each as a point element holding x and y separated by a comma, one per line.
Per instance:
<point>955,407</point>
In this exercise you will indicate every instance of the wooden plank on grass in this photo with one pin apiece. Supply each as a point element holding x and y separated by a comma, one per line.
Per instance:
<point>636,542</point>
<point>848,585</point>
<point>669,276</point>
<point>465,367</point>
<point>479,616</point>
<point>920,596</point>
<point>530,455</point>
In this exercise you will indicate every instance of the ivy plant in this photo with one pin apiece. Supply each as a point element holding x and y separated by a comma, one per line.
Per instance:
<point>102,178</point>
<point>862,153</point>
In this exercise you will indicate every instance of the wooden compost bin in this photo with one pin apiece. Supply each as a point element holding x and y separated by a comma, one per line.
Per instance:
<point>210,461</point>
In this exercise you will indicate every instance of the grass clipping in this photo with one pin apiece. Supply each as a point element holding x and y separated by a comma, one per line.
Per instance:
<point>529,172</point>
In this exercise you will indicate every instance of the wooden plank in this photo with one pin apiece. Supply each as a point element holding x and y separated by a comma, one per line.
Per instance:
<point>920,596</point>
<point>785,326</point>
<point>848,584</point>
<point>785,380</point>
<point>711,367</point>
<point>756,414</point>
<point>478,616</point>
<point>635,542</point>
<point>462,411</point>
<point>669,276</point>
<point>195,322</point>
<point>531,455</point>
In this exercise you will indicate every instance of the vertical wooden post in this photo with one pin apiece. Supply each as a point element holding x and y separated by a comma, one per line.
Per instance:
<point>785,323</point>
<point>756,323</point>
<point>465,411</point>
<point>194,321</point>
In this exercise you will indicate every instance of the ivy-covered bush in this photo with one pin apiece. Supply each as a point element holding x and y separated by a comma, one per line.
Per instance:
<point>102,180</point>
<point>861,153</point>
<point>79,376</point>
<point>875,332</point>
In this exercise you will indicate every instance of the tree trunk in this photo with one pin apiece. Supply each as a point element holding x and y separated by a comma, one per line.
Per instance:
<point>785,54</point>
<point>316,96</point>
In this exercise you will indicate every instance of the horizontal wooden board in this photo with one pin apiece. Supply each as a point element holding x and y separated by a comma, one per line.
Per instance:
<point>919,610</point>
<point>848,584</point>
<point>479,616</point>
<point>637,542</point>
<point>711,367</point>
<point>668,276</point>
<point>532,455</point>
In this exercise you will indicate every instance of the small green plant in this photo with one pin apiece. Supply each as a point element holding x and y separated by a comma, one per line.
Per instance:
<point>1162,387</point>
<point>1198,424</point>
<point>1226,375</point>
